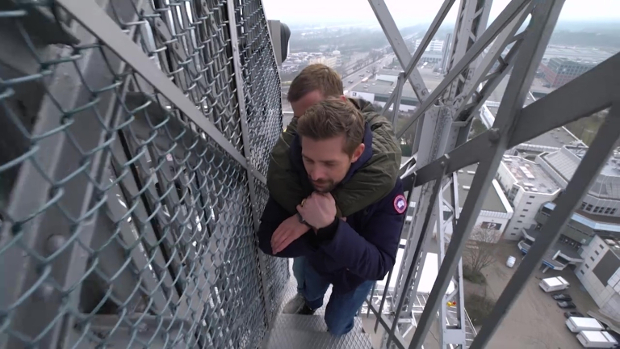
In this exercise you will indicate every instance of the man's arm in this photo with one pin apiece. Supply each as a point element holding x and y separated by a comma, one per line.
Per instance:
<point>369,253</point>
<point>273,216</point>
<point>283,181</point>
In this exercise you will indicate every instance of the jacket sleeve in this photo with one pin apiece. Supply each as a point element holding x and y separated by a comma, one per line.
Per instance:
<point>369,253</point>
<point>378,176</point>
<point>273,216</point>
<point>283,181</point>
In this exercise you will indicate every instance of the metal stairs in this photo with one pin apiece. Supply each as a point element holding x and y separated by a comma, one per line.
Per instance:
<point>293,331</point>
<point>310,332</point>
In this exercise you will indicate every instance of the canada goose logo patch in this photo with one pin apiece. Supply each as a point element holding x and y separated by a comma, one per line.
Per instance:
<point>400,204</point>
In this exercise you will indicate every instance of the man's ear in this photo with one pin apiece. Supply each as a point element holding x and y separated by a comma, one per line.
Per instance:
<point>358,152</point>
<point>343,98</point>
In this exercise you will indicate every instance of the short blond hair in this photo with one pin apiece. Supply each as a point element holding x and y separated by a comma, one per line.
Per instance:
<point>331,118</point>
<point>315,77</point>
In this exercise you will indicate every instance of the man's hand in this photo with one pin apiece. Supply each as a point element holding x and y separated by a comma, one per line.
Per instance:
<point>319,210</point>
<point>288,231</point>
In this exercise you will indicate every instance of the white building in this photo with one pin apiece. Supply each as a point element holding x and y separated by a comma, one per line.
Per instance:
<point>527,187</point>
<point>600,274</point>
<point>434,45</point>
<point>496,210</point>
<point>330,61</point>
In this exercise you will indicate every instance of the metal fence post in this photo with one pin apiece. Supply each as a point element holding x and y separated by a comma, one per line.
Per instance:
<point>253,175</point>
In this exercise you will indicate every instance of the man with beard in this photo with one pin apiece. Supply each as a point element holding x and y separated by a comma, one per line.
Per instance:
<point>333,144</point>
<point>373,181</point>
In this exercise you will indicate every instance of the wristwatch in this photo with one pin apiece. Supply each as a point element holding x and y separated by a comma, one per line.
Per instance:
<point>303,221</point>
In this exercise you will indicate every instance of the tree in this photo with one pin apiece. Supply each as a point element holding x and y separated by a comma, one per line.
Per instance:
<point>478,253</point>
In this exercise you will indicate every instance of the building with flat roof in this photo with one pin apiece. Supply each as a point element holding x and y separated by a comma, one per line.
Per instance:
<point>434,45</point>
<point>579,54</point>
<point>381,87</point>
<point>597,217</point>
<point>559,71</point>
<point>527,187</point>
<point>603,198</point>
<point>496,211</point>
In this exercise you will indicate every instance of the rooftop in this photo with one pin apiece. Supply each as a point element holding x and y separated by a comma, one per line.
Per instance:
<point>611,168</point>
<point>566,160</point>
<point>492,202</point>
<point>578,54</point>
<point>556,138</point>
<point>385,88</point>
<point>530,175</point>
<point>561,60</point>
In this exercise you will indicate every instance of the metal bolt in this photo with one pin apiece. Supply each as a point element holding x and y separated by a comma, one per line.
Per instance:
<point>55,243</point>
<point>443,164</point>
<point>44,292</point>
<point>494,134</point>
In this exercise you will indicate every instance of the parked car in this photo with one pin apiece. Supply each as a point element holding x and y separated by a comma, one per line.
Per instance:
<point>568,314</point>
<point>510,262</point>
<point>562,297</point>
<point>566,305</point>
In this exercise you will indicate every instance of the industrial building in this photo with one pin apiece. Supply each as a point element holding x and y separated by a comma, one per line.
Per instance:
<point>559,71</point>
<point>527,187</point>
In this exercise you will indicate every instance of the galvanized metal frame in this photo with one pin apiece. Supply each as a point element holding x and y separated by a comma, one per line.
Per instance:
<point>252,174</point>
<point>539,31</point>
<point>90,15</point>
<point>487,37</point>
<point>398,45</point>
<point>72,209</point>
<point>587,172</point>
<point>447,115</point>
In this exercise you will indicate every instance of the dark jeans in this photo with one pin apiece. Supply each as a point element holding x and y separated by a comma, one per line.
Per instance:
<point>341,308</point>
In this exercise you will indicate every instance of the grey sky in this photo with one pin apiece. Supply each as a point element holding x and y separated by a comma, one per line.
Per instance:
<point>407,12</point>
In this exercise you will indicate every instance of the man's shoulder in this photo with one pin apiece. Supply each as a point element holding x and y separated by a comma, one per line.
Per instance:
<point>395,201</point>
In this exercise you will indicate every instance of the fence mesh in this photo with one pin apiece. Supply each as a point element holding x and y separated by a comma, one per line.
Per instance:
<point>123,224</point>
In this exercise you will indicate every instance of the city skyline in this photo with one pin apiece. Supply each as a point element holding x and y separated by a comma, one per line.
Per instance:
<point>405,13</point>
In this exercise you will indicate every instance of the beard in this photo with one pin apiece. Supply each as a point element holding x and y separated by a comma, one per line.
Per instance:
<point>323,186</point>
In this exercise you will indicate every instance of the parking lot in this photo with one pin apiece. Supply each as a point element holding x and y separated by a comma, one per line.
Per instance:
<point>535,320</point>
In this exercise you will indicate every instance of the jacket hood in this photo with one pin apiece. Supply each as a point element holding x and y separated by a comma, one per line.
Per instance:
<point>297,161</point>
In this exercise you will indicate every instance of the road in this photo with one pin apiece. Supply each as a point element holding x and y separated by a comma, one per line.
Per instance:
<point>534,320</point>
<point>355,76</point>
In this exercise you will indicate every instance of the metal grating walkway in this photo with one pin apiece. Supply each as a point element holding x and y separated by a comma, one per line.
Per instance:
<point>310,331</point>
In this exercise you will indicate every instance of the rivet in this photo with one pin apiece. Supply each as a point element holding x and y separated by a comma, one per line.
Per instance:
<point>494,134</point>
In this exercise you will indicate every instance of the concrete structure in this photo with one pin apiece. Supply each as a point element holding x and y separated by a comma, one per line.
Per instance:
<point>559,71</point>
<point>600,274</point>
<point>527,187</point>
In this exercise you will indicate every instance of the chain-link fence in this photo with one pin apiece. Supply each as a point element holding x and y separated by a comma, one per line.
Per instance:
<point>134,141</point>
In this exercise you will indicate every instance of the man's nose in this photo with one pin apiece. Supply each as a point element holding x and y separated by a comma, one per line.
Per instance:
<point>317,173</point>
